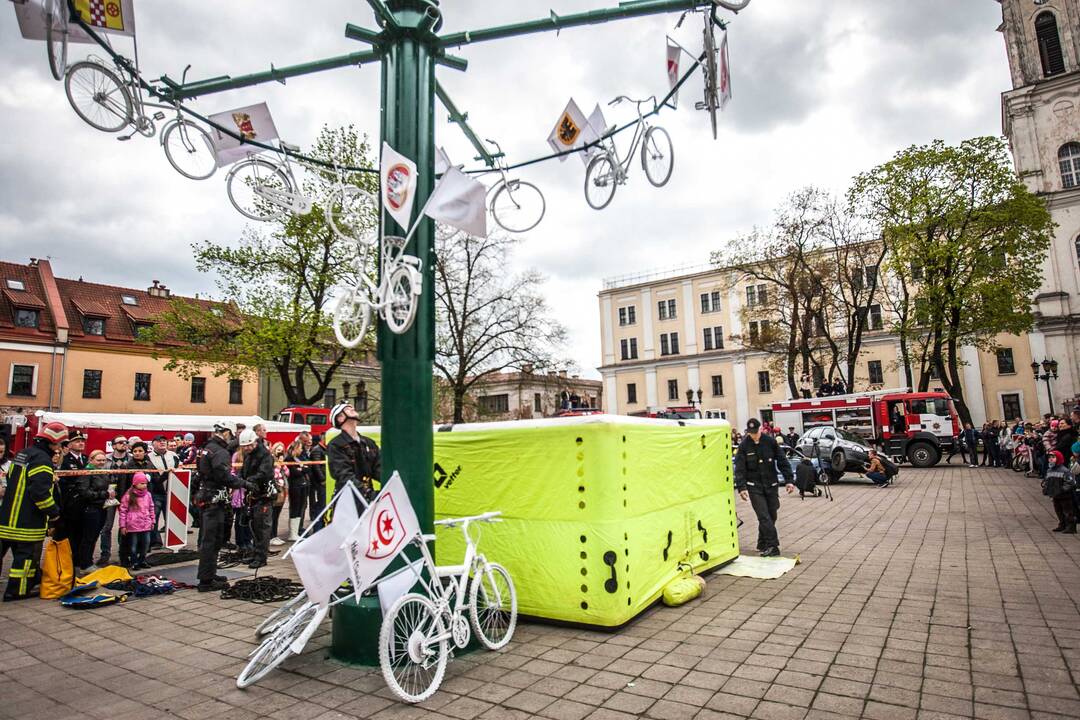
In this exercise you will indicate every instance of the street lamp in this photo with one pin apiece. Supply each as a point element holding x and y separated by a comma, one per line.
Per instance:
<point>690,397</point>
<point>1050,371</point>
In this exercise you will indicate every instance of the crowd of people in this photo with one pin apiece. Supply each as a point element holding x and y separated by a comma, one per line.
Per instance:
<point>239,489</point>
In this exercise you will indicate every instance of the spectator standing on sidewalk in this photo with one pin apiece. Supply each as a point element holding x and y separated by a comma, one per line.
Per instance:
<point>758,462</point>
<point>317,480</point>
<point>281,486</point>
<point>116,460</point>
<point>298,488</point>
<point>970,439</point>
<point>1059,485</point>
<point>164,461</point>
<point>93,491</point>
<point>137,517</point>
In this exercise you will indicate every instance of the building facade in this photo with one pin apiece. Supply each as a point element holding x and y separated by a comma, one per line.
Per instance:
<point>1041,118</point>
<point>521,396</point>
<point>356,382</point>
<point>71,345</point>
<point>662,336</point>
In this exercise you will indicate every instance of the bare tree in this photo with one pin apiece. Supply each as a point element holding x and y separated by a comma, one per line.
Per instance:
<point>488,319</point>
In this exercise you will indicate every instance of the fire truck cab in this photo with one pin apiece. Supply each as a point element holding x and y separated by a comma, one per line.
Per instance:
<point>317,417</point>
<point>914,426</point>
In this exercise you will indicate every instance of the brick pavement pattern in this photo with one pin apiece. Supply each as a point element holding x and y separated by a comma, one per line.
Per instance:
<point>945,596</point>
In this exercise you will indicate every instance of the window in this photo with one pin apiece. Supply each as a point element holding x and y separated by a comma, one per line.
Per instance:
<point>495,403</point>
<point>93,326</point>
<point>758,329</point>
<point>669,343</point>
<point>142,386</point>
<point>23,380</point>
<point>1046,34</point>
<point>751,295</point>
<point>236,392</point>
<point>538,403</point>
<point>1069,162</point>
<point>1078,250</point>
<point>761,296</point>
<point>329,397</point>
<point>16,285</point>
<point>141,330</point>
<point>870,273</point>
<point>627,315</point>
<point>26,318</point>
<point>710,301</point>
<point>766,416</point>
<point>876,322</point>
<point>1006,366</point>
<point>666,309</point>
<point>631,393</point>
<point>129,300</point>
<point>315,420</point>
<point>1010,406</point>
<point>672,389</point>
<point>628,348</point>
<point>198,389</point>
<point>717,385</point>
<point>675,343</point>
<point>361,397</point>
<point>708,338</point>
<point>91,384</point>
<point>763,384</point>
<point>873,369</point>
<point>916,271</point>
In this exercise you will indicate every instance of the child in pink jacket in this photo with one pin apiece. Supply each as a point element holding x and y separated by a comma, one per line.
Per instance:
<point>137,519</point>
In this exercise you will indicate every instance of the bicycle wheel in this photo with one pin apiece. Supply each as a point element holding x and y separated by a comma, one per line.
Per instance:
<point>98,97</point>
<point>189,149</point>
<point>601,178</point>
<point>353,214</point>
<point>657,156</point>
<point>518,206</point>
<point>493,606</point>
<point>275,649</point>
<point>352,315</point>
<point>402,302</point>
<point>56,37</point>
<point>412,648</point>
<point>281,615</point>
<point>247,178</point>
<point>712,87</point>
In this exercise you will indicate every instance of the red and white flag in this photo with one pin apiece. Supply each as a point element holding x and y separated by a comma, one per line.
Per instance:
<point>397,185</point>
<point>673,54</point>
<point>382,532</point>
<point>725,73</point>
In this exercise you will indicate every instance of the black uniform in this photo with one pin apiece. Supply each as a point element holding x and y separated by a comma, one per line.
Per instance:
<point>26,510</point>
<point>317,480</point>
<point>214,466</point>
<point>71,504</point>
<point>257,474</point>
<point>756,466</point>
<point>93,492</point>
<point>354,460</point>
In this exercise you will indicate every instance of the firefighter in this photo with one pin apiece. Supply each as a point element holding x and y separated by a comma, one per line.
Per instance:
<point>257,474</point>
<point>27,510</point>
<point>757,463</point>
<point>214,467</point>
<point>350,456</point>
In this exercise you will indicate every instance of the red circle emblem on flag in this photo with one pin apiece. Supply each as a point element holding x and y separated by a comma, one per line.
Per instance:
<point>397,186</point>
<point>112,8</point>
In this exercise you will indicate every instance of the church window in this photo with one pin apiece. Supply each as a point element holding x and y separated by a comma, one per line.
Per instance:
<point>1078,250</point>
<point>1046,34</point>
<point>1069,162</point>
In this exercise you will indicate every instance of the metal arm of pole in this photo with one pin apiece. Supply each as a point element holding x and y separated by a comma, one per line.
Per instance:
<point>457,117</point>
<point>628,9</point>
<point>383,16</point>
<point>452,61</point>
<point>216,85</point>
<point>355,32</point>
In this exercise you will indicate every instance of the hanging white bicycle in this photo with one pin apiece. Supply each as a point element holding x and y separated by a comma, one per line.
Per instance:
<point>395,299</point>
<point>606,171</point>
<point>111,99</point>
<point>516,205</point>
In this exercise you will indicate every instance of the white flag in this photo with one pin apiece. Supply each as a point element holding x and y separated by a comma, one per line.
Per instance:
<point>595,127</point>
<point>398,184</point>
<point>442,161</point>
<point>319,561</point>
<point>674,52</point>
<point>725,74</point>
<point>253,122</point>
<point>383,531</point>
<point>568,131</point>
<point>459,201</point>
<point>393,588</point>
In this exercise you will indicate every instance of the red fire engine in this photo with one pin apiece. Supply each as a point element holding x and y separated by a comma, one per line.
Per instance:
<point>917,426</point>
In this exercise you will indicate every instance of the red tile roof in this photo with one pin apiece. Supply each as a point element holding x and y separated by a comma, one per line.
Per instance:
<point>31,280</point>
<point>23,299</point>
<point>90,308</point>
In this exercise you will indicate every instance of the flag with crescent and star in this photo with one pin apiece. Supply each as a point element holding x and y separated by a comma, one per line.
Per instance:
<point>382,532</point>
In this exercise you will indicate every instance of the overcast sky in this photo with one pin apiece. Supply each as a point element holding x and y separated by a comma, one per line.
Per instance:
<point>823,89</point>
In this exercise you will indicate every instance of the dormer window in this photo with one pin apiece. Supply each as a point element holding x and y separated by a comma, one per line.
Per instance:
<point>27,318</point>
<point>141,330</point>
<point>16,285</point>
<point>129,300</point>
<point>93,326</point>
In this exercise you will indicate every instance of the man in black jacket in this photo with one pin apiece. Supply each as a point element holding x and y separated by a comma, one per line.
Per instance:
<point>317,480</point>
<point>351,456</point>
<point>257,475</point>
<point>71,504</point>
<point>214,465</point>
<point>970,439</point>
<point>757,462</point>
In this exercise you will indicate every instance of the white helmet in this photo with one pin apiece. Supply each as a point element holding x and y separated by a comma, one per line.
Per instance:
<point>248,437</point>
<point>338,410</point>
<point>223,425</point>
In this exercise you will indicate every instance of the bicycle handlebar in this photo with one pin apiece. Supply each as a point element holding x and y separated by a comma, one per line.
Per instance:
<point>486,517</point>
<point>619,98</point>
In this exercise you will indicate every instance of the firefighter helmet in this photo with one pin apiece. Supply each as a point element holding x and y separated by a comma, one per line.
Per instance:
<point>54,432</point>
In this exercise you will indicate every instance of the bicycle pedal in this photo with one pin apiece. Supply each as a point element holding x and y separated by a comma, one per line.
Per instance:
<point>159,115</point>
<point>699,106</point>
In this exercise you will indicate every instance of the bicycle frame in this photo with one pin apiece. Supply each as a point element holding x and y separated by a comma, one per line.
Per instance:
<point>640,128</point>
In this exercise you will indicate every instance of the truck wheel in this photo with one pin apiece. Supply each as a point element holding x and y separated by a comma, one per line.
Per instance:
<point>923,455</point>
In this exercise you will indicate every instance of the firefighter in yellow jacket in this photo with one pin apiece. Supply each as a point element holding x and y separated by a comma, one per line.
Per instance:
<point>27,509</point>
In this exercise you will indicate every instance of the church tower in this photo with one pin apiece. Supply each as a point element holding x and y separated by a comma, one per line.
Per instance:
<point>1041,118</point>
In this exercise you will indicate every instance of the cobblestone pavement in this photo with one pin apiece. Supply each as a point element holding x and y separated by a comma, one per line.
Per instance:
<point>944,596</point>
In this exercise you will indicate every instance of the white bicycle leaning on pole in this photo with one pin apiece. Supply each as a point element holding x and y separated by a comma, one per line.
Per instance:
<point>606,171</point>
<point>395,299</point>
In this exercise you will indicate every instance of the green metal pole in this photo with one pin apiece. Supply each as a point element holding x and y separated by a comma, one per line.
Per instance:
<point>408,102</point>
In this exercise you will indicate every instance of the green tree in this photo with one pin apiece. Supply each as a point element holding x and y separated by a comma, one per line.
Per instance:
<point>276,285</point>
<point>966,240</point>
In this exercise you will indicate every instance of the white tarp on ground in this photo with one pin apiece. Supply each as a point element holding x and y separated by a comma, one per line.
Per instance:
<point>762,568</point>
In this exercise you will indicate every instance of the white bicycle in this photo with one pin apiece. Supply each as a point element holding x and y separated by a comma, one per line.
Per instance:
<point>516,205</point>
<point>417,632</point>
<point>710,70</point>
<point>395,299</point>
<point>111,99</point>
<point>606,171</point>
<point>56,36</point>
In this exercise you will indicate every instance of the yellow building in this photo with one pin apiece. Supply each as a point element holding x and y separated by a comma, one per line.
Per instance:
<point>666,333</point>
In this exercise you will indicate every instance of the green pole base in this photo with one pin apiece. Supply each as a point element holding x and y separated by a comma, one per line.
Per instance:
<point>354,633</point>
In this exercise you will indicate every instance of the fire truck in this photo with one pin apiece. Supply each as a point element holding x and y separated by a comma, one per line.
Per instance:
<point>915,426</point>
